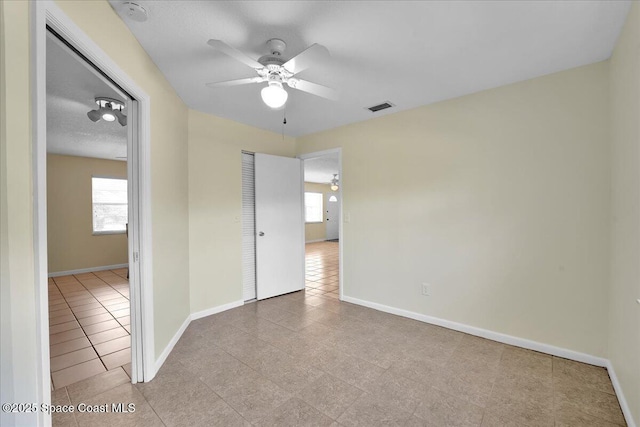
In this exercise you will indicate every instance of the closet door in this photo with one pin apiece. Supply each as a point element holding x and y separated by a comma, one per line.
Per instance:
<point>248,228</point>
<point>279,225</point>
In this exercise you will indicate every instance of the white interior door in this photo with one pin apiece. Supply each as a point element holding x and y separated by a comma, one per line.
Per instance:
<point>332,215</point>
<point>279,225</point>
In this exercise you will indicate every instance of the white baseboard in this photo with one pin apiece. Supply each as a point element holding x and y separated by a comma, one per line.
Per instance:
<point>88,270</point>
<point>167,350</point>
<point>624,405</point>
<point>484,333</point>
<point>176,337</point>
<point>218,309</point>
<point>315,241</point>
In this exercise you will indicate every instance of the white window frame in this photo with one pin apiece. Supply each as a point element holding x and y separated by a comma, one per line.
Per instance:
<point>321,198</point>
<point>93,225</point>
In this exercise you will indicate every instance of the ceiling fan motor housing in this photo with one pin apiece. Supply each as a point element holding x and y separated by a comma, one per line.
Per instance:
<point>276,46</point>
<point>273,61</point>
<point>270,61</point>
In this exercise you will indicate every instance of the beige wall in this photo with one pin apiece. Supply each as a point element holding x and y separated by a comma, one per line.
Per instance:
<point>71,242</point>
<point>499,200</point>
<point>169,179</point>
<point>19,355</point>
<point>316,231</point>
<point>624,312</point>
<point>215,203</point>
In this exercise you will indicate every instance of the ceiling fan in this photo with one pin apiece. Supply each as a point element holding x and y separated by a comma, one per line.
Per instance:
<point>277,72</point>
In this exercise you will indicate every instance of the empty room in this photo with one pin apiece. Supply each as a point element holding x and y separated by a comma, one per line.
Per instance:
<point>320,213</point>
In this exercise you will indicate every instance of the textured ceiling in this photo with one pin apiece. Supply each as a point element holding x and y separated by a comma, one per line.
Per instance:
<point>71,91</point>
<point>321,169</point>
<point>409,53</point>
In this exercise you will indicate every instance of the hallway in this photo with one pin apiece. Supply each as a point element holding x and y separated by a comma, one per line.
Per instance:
<point>322,269</point>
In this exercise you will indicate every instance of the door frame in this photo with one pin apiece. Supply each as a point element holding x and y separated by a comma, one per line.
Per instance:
<point>316,154</point>
<point>46,13</point>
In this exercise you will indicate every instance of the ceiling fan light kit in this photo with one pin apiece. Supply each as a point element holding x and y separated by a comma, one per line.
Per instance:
<point>276,72</point>
<point>109,110</point>
<point>274,95</point>
<point>334,182</point>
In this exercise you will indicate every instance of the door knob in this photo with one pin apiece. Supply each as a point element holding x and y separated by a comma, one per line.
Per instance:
<point>261,233</point>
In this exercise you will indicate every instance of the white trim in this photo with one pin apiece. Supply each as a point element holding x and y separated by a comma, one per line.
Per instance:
<point>39,172</point>
<point>167,350</point>
<point>46,12</point>
<point>214,310</point>
<point>88,270</point>
<point>315,154</point>
<point>198,315</point>
<point>108,233</point>
<point>484,333</point>
<point>624,405</point>
<point>315,241</point>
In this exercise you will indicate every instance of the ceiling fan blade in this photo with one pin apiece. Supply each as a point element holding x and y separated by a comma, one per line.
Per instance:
<point>122,119</point>
<point>237,82</point>
<point>314,89</point>
<point>313,54</point>
<point>234,53</point>
<point>94,115</point>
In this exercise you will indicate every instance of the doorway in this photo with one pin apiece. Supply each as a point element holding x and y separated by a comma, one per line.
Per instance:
<point>323,223</point>
<point>272,226</point>
<point>49,18</point>
<point>88,214</point>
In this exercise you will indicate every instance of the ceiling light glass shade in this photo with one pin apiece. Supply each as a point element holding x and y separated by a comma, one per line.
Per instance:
<point>108,117</point>
<point>274,95</point>
<point>334,187</point>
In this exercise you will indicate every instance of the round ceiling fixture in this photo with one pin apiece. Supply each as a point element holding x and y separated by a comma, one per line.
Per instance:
<point>134,11</point>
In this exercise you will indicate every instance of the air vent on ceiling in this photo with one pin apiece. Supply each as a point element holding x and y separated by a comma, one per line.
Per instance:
<point>379,107</point>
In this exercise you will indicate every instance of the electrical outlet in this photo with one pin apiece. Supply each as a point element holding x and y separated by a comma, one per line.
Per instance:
<point>426,289</point>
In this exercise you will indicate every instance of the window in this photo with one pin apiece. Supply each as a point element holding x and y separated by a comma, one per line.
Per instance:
<point>313,207</point>
<point>109,197</point>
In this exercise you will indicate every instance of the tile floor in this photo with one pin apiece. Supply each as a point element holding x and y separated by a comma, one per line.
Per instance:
<point>89,328</point>
<point>310,360</point>
<point>322,269</point>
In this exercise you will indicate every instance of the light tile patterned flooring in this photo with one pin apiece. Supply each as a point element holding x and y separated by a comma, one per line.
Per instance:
<point>322,269</point>
<point>305,359</point>
<point>89,328</point>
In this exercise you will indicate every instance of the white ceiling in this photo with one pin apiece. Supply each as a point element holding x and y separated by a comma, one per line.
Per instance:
<point>409,53</point>
<point>71,91</point>
<point>321,169</point>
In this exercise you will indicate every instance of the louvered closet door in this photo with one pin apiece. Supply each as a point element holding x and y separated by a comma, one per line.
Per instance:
<point>248,227</point>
